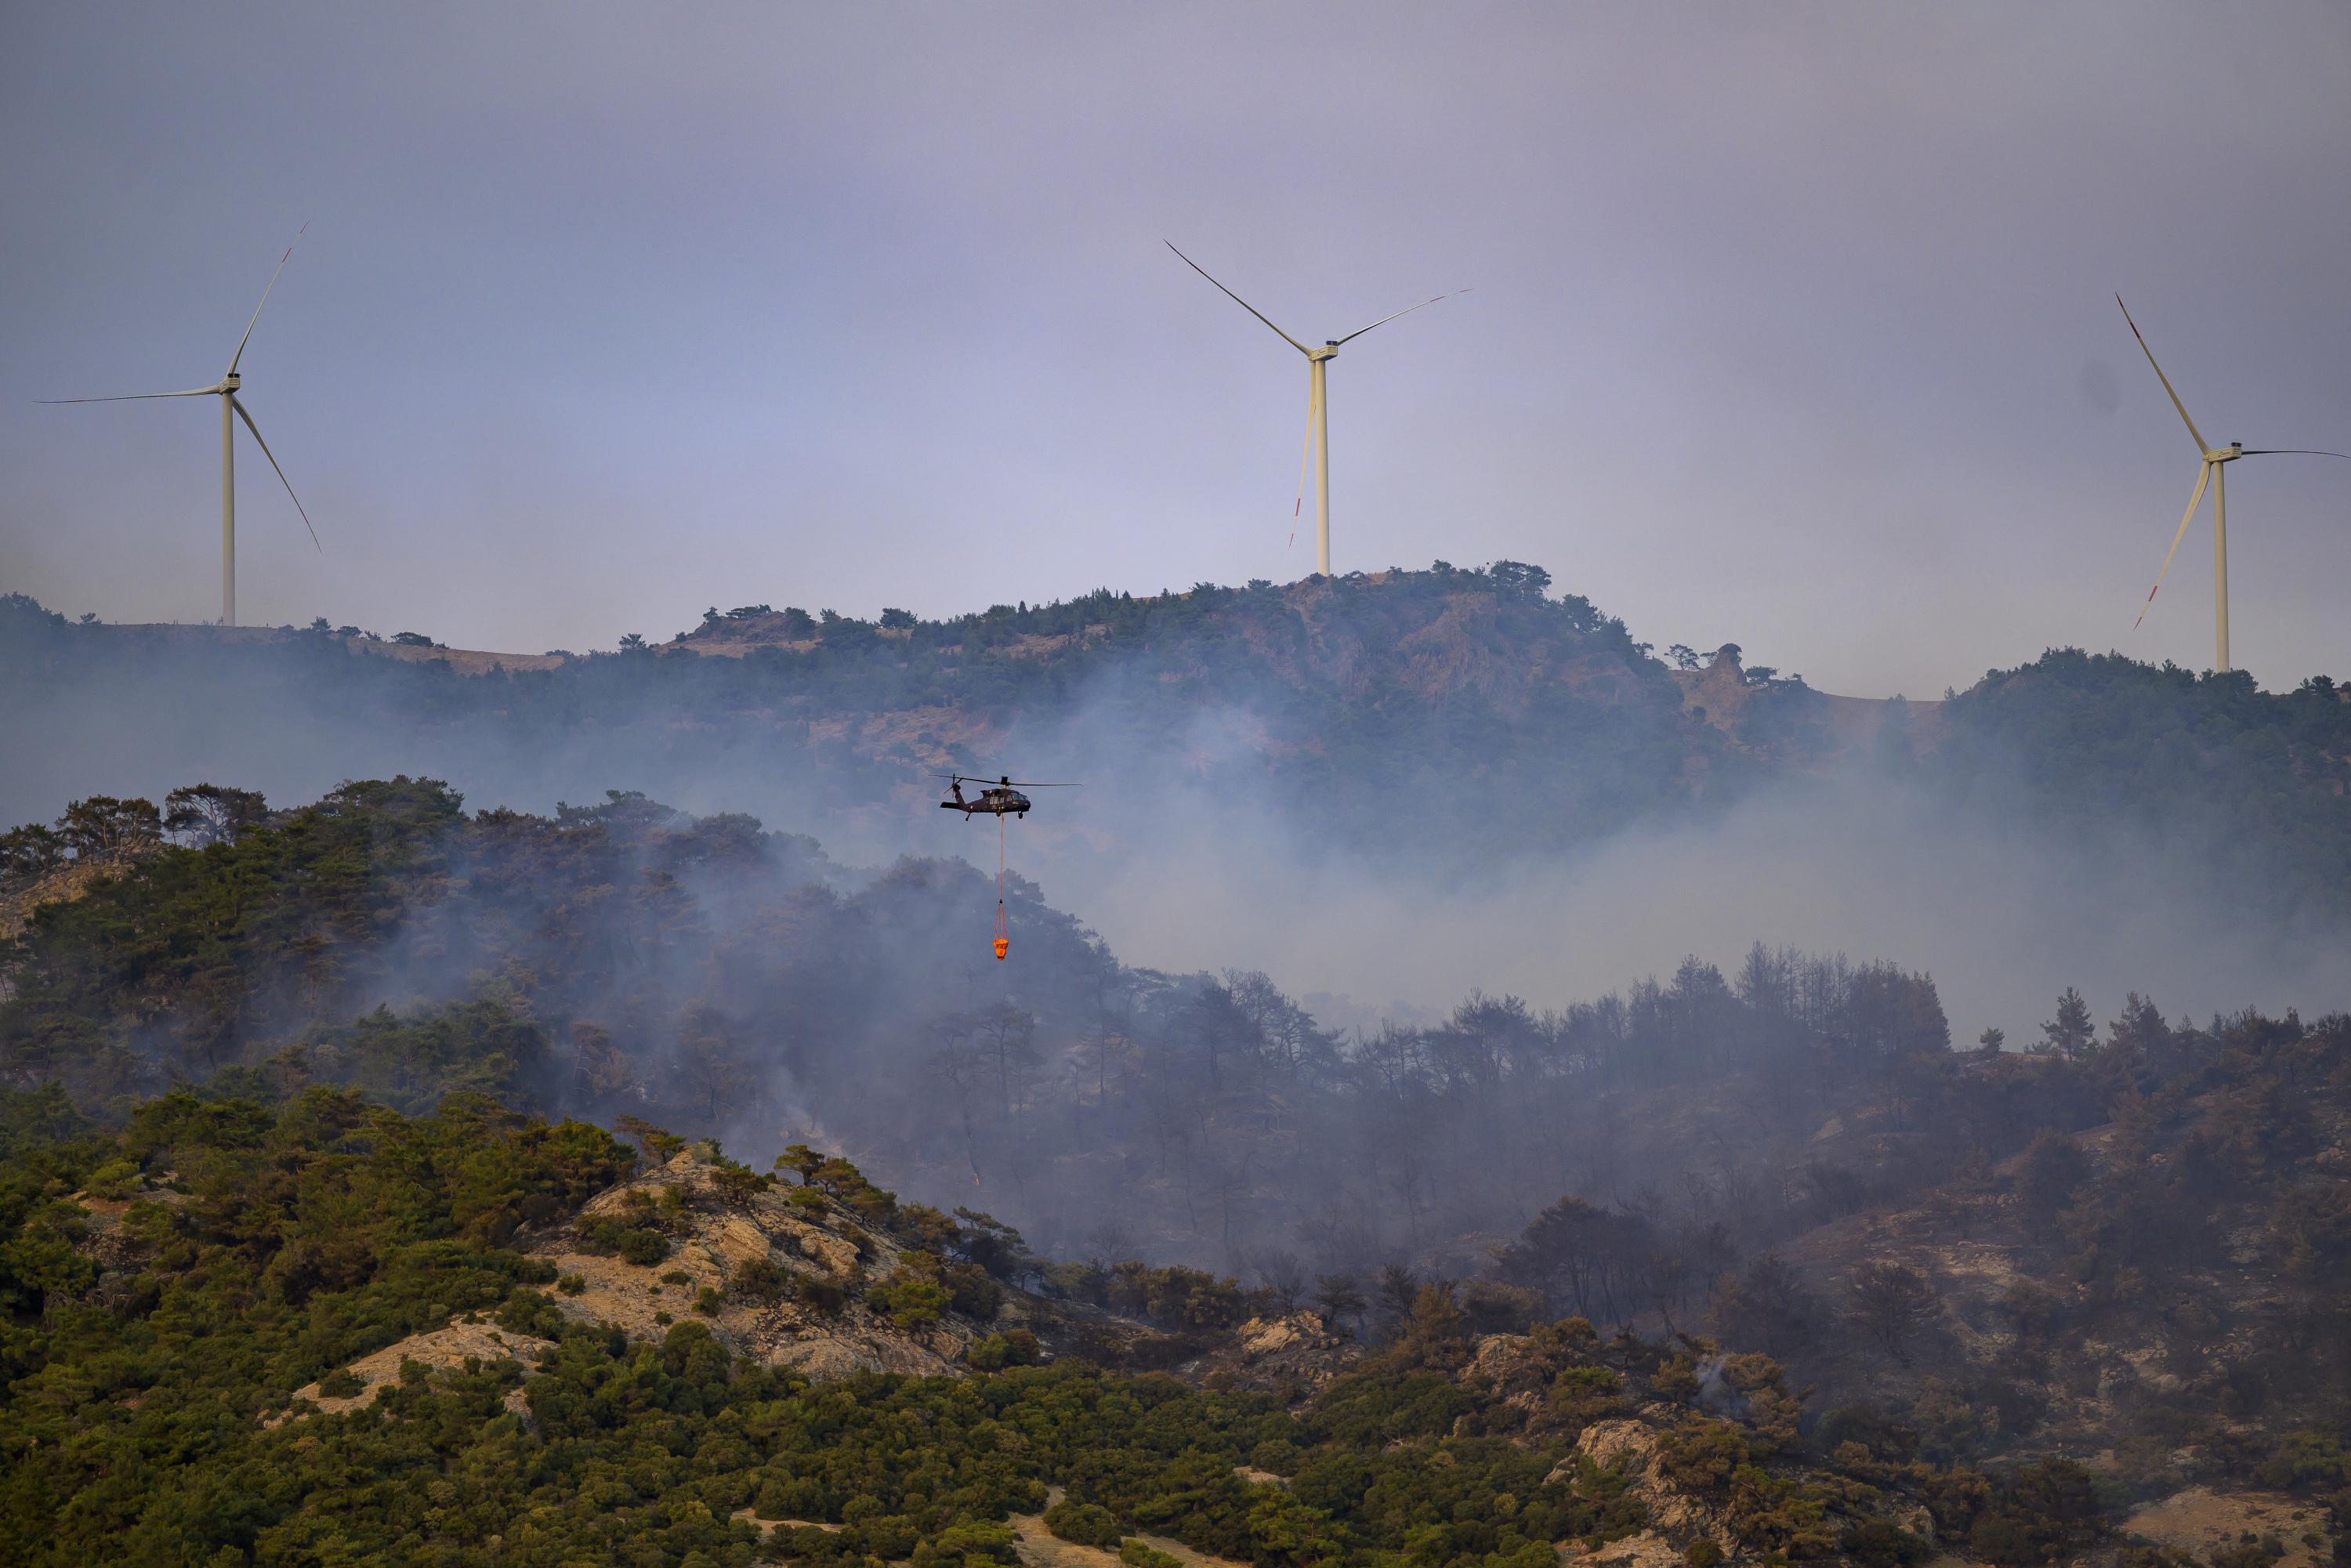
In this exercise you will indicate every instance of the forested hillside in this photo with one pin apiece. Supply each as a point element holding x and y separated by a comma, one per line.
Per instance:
<point>1444,722</point>
<point>2092,1243</point>
<point>303,1071</point>
<point>194,1297</point>
<point>1537,716</point>
<point>626,958</point>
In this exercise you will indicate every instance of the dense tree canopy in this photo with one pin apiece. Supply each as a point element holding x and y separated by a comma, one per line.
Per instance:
<point>149,1412</point>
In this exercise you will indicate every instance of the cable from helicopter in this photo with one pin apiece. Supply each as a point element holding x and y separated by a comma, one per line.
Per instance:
<point>1000,799</point>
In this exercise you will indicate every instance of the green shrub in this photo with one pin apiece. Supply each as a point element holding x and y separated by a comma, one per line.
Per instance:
<point>1878,1544</point>
<point>341,1384</point>
<point>1086,1523</point>
<point>1275,1456</point>
<point>1702,1457</point>
<point>708,1301</point>
<point>2040,1512</point>
<point>736,1184</point>
<point>760,1280</point>
<point>527,1311</point>
<point>889,1536</point>
<point>2052,1167</point>
<point>2307,1459</point>
<point>1136,1554</point>
<point>803,1543</point>
<point>633,1243</point>
<point>967,1545</point>
<point>908,1299</point>
<point>572,1285</point>
<point>973,1293</point>
<point>116,1179</point>
<point>1014,1347</point>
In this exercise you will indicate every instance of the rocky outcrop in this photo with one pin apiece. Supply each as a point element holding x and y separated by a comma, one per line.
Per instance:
<point>1292,1354</point>
<point>827,1330</point>
<point>1646,1550</point>
<point>1628,1445</point>
<point>463,1341</point>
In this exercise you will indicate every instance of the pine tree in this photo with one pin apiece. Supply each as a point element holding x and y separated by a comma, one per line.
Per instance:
<point>2070,1033</point>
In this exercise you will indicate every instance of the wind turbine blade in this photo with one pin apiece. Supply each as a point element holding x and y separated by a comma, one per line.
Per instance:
<point>1240,301</point>
<point>241,342</point>
<point>134,397</point>
<point>2203,477</point>
<point>281,473</point>
<point>1406,312</point>
<point>2294,452</point>
<point>2201,447</point>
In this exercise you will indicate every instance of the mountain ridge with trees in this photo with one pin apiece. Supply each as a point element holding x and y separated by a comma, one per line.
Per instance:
<point>1521,721</point>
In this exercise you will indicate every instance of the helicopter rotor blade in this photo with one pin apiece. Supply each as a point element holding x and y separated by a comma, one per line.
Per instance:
<point>1000,783</point>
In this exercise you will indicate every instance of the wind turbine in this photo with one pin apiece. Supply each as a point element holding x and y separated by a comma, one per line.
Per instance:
<point>1317,423</point>
<point>225,389</point>
<point>2214,471</point>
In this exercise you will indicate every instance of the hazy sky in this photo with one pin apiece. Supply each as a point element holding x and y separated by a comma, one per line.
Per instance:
<point>1794,325</point>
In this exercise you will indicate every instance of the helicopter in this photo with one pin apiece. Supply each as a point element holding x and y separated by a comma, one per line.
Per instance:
<point>1001,799</point>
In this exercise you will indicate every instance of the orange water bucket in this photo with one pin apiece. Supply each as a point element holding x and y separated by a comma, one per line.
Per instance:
<point>1003,946</point>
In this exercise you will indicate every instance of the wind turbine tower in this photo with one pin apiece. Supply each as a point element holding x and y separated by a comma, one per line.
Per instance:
<point>2213,470</point>
<point>1317,423</point>
<point>225,389</point>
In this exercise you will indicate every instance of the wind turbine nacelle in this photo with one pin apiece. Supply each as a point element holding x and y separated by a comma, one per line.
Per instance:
<point>231,382</point>
<point>2228,454</point>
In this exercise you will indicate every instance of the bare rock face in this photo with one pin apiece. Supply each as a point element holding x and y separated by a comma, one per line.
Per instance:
<point>1512,1365</point>
<point>832,1256</point>
<point>1261,1337</point>
<point>108,1242</point>
<point>771,1271</point>
<point>1295,1353</point>
<point>2202,1521</point>
<point>65,884</point>
<point>829,1354</point>
<point>739,1241</point>
<point>436,1350</point>
<point>1629,1445</point>
<point>828,1332</point>
<point>1646,1550</point>
<point>1606,1442</point>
